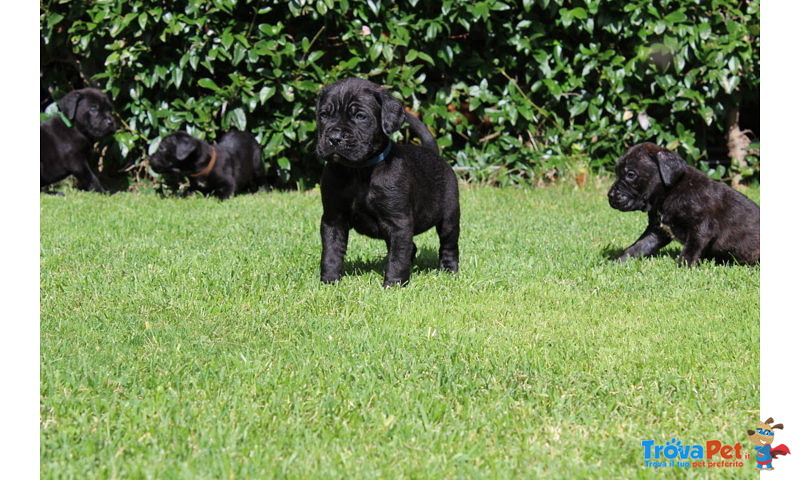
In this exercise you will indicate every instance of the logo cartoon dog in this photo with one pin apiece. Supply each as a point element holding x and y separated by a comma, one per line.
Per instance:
<point>762,438</point>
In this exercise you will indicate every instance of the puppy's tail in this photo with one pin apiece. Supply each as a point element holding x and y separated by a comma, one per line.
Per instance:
<point>422,132</point>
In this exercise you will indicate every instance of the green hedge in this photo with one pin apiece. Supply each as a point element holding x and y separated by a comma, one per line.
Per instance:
<point>540,88</point>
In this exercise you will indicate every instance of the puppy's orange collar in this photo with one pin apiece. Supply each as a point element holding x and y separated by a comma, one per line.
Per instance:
<point>210,165</point>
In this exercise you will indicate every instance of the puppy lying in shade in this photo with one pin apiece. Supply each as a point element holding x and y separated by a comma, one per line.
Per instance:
<point>711,220</point>
<point>229,167</point>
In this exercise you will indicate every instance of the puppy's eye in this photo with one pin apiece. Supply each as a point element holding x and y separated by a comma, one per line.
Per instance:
<point>630,175</point>
<point>360,116</point>
<point>325,114</point>
<point>93,109</point>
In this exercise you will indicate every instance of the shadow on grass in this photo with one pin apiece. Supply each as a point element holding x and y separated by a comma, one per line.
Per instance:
<point>65,187</point>
<point>613,253</point>
<point>427,259</point>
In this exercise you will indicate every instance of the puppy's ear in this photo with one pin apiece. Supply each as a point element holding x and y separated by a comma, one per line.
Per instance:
<point>184,149</point>
<point>392,116</point>
<point>670,166</point>
<point>69,104</point>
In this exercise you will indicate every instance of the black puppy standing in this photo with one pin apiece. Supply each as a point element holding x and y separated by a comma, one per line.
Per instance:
<point>231,166</point>
<point>712,220</point>
<point>66,140</point>
<point>381,189</point>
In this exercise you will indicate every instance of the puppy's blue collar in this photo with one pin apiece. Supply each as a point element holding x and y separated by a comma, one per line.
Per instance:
<point>381,156</point>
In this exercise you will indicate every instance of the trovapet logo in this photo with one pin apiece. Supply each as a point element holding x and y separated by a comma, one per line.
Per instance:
<point>711,454</point>
<point>714,453</point>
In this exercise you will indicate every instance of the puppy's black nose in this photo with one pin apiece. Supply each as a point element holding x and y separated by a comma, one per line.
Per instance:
<point>613,198</point>
<point>335,137</point>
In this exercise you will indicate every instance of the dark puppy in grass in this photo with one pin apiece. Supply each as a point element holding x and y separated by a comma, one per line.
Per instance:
<point>66,140</point>
<point>381,189</point>
<point>711,220</point>
<point>231,166</point>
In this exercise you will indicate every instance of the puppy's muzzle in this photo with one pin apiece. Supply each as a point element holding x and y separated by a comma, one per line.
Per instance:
<point>156,164</point>
<point>619,200</point>
<point>339,141</point>
<point>105,126</point>
<point>335,137</point>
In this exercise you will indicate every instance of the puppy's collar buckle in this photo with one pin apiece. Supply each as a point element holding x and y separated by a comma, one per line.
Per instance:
<point>381,156</point>
<point>210,165</point>
<point>64,119</point>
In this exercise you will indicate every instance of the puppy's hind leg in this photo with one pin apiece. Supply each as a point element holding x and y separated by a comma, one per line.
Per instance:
<point>690,254</point>
<point>694,247</point>
<point>260,183</point>
<point>226,191</point>
<point>79,167</point>
<point>401,251</point>
<point>87,180</point>
<point>448,231</point>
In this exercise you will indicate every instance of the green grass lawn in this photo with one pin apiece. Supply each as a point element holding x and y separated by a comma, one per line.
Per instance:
<point>191,338</point>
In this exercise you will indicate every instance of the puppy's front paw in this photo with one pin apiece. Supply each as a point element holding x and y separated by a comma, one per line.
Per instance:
<point>330,277</point>
<point>388,283</point>
<point>623,258</point>
<point>448,265</point>
<point>686,262</point>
